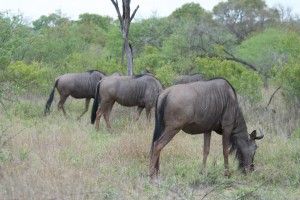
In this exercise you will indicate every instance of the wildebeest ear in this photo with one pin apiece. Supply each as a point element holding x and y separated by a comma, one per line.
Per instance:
<point>253,135</point>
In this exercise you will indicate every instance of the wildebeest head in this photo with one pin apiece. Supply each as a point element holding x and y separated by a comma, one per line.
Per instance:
<point>246,148</point>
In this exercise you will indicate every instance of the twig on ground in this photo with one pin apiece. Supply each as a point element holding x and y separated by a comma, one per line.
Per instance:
<point>210,191</point>
<point>273,96</point>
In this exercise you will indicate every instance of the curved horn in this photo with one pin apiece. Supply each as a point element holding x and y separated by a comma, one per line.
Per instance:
<point>261,135</point>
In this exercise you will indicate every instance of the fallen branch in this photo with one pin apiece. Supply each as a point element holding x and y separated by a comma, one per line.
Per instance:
<point>210,191</point>
<point>273,96</point>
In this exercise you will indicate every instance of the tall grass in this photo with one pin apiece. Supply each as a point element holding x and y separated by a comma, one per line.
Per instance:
<point>55,157</point>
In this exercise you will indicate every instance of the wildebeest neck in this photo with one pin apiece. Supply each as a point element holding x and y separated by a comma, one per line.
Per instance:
<point>240,127</point>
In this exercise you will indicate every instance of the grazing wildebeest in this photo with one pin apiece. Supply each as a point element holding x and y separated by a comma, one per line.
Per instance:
<point>190,78</point>
<point>78,85</point>
<point>145,71</point>
<point>116,74</point>
<point>202,107</point>
<point>141,91</point>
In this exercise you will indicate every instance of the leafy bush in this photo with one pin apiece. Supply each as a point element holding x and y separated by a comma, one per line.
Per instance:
<point>288,72</point>
<point>185,65</point>
<point>150,59</point>
<point>288,77</point>
<point>24,76</point>
<point>166,74</point>
<point>246,82</point>
<point>8,92</point>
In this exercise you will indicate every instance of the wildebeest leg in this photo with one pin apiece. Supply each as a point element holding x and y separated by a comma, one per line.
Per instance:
<point>107,115</point>
<point>148,114</point>
<point>206,149</point>
<point>61,102</point>
<point>138,112</point>
<point>99,114</point>
<point>87,102</point>
<point>226,140</point>
<point>157,147</point>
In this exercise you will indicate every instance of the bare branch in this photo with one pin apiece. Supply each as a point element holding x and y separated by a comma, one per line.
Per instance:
<point>115,3</point>
<point>126,9</point>
<point>133,14</point>
<point>273,96</point>
<point>245,63</point>
<point>210,191</point>
<point>250,66</point>
<point>227,52</point>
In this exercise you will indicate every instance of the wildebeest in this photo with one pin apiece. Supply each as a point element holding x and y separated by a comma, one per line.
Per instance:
<point>116,74</point>
<point>140,90</point>
<point>78,85</point>
<point>202,107</point>
<point>145,71</point>
<point>190,78</point>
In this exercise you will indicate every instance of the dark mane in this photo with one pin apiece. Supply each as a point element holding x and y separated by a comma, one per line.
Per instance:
<point>241,124</point>
<point>196,74</point>
<point>216,78</point>
<point>94,70</point>
<point>140,75</point>
<point>234,148</point>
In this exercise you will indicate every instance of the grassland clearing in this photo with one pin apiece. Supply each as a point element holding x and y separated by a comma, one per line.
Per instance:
<point>55,157</point>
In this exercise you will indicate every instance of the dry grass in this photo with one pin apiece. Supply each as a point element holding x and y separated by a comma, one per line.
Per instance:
<point>55,157</point>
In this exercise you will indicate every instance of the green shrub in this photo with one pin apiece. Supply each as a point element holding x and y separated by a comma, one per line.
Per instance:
<point>166,74</point>
<point>25,76</point>
<point>246,82</point>
<point>150,59</point>
<point>288,78</point>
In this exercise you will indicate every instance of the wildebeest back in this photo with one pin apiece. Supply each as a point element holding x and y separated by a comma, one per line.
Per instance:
<point>130,91</point>
<point>190,78</point>
<point>77,85</point>
<point>200,106</point>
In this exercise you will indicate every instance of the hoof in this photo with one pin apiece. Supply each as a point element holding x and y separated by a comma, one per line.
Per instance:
<point>227,173</point>
<point>153,174</point>
<point>201,172</point>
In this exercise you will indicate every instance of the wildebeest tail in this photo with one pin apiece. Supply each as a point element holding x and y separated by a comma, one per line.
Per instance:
<point>51,97</point>
<point>159,119</point>
<point>96,104</point>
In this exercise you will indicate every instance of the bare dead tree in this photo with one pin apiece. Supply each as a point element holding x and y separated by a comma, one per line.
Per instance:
<point>125,20</point>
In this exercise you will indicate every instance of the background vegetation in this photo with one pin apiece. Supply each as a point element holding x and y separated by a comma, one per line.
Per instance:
<point>255,47</point>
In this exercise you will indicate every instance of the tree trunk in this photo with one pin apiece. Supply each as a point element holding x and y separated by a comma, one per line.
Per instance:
<point>125,20</point>
<point>129,57</point>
